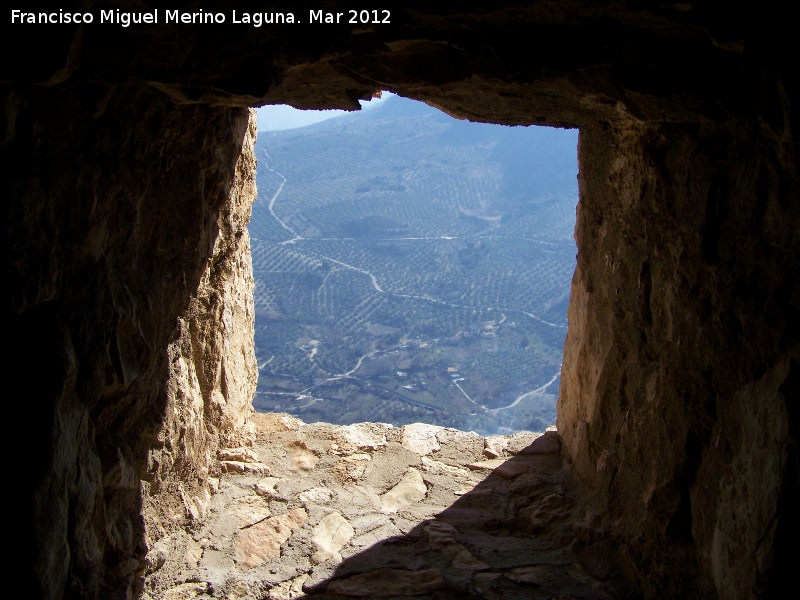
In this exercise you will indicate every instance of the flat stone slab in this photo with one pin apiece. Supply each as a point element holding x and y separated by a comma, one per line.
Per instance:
<point>262,542</point>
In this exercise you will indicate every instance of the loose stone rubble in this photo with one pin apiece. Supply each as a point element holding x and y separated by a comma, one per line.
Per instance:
<point>374,511</point>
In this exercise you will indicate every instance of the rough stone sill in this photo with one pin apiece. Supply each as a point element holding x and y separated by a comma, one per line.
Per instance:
<point>371,510</point>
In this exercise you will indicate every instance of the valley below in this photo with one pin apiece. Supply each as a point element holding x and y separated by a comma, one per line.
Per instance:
<point>411,267</point>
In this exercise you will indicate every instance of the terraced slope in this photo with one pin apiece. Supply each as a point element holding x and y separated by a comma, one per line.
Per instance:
<point>413,267</point>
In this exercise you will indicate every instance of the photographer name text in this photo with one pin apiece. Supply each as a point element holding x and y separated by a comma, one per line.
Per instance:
<point>201,17</point>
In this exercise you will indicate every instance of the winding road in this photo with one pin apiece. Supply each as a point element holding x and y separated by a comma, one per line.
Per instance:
<point>521,397</point>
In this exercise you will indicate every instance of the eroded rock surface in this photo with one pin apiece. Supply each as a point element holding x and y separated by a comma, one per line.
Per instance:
<point>506,527</point>
<point>212,369</point>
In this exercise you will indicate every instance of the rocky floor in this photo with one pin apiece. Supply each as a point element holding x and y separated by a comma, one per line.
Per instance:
<point>374,511</point>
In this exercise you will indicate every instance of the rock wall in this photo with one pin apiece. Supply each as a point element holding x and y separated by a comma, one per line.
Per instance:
<point>126,260</point>
<point>680,359</point>
<point>212,367</point>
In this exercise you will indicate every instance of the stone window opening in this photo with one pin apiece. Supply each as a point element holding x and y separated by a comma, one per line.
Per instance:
<point>488,216</point>
<point>367,509</point>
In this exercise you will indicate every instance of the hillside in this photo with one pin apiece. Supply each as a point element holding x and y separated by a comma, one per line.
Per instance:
<point>413,267</point>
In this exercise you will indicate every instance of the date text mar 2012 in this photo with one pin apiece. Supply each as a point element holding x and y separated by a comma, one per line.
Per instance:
<point>354,17</point>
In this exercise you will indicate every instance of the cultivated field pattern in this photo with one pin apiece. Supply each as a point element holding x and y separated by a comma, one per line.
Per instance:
<point>413,267</point>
